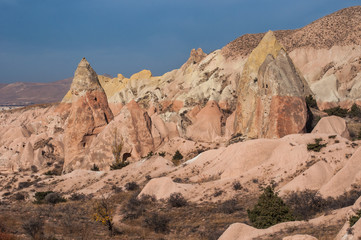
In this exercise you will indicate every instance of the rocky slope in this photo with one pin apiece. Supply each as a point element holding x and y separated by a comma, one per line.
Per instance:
<point>235,115</point>
<point>327,53</point>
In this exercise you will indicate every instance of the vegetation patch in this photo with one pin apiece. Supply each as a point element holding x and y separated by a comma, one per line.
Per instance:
<point>353,219</point>
<point>336,111</point>
<point>269,210</point>
<point>317,146</point>
<point>177,200</point>
<point>311,102</point>
<point>177,157</point>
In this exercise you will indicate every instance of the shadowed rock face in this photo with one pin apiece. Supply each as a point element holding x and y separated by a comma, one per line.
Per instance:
<point>89,114</point>
<point>271,94</point>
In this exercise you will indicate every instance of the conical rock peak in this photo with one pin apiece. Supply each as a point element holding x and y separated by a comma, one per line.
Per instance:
<point>85,79</point>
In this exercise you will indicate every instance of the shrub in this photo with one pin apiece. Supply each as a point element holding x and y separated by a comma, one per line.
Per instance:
<point>269,210</point>
<point>24,185</point>
<point>355,111</point>
<point>34,169</point>
<point>95,168</point>
<point>177,157</point>
<point>135,207</point>
<point>317,146</point>
<point>49,173</point>
<point>162,154</point>
<point>77,197</point>
<point>131,186</point>
<point>353,219</point>
<point>20,196</point>
<point>103,212</point>
<point>119,165</point>
<point>236,186</point>
<point>311,102</point>
<point>54,198</point>
<point>159,223</point>
<point>344,200</point>
<point>117,147</point>
<point>218,192</point>
<point>150,154</point>
<point>177,200</point>
<point>34,227</point>
<point>337,111</point>
<point>305,204</point>
<point>40,196</point>
<point>229,206</point>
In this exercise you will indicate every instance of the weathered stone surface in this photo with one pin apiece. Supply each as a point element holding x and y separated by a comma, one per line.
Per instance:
<point>270,94</point>
<point>332,125</point>
<point>89,114</point>
<point>207,125</point>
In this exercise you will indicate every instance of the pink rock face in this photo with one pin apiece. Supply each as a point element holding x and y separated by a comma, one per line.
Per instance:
<point>208,124</point>
<point>332,125</point>
<point>89,114</point>
<point>286,115</point>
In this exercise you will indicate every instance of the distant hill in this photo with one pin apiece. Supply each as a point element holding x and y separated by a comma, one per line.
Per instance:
<point>25,93</point>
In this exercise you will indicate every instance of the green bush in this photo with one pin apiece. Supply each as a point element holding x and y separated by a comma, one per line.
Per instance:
<point>162,154</point>
<point>95,168</point>
<point>355,111</point>
<point>177,157</point>
<point>40,196</point>
<point>317,146</point>
<point>353,219</point>
<point>269,210</point>
<point>119,165</point>
<point>48,197</point>
<point>336,111</point>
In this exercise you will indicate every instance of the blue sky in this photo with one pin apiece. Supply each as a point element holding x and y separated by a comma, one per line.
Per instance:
<point>43,40</point>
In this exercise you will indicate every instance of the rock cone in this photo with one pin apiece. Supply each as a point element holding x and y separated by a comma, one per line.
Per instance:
<point>89,114</point>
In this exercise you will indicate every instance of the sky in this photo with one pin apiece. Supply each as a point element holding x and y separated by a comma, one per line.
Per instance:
<point>44,40</point>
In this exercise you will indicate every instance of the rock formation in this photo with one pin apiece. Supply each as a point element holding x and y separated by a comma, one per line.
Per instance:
<point>270,93</point>
<point>89,114</point>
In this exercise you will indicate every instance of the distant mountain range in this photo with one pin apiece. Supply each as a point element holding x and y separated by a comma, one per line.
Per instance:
<point>26,93</point>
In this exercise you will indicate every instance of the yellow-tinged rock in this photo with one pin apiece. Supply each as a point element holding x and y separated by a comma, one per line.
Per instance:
<point>67,97</point>
<point>268,45</point>
<point>120,76</point>
<point>144,74</point>
<point>271,93</point>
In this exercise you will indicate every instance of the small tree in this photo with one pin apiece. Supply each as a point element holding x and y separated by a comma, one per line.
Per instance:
<point>103,212</point>
<point>269,210</point>
<point>34,227</point>
<point>177,157</point>
<point>355,111</point>
<point>117,147</point>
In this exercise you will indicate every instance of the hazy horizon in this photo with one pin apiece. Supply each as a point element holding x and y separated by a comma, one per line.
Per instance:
<point>43,41</point>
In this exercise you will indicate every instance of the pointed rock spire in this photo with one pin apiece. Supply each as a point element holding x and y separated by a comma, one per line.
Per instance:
<point>89,114</point>
<point>270,93</point>
<point>85,79</point>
